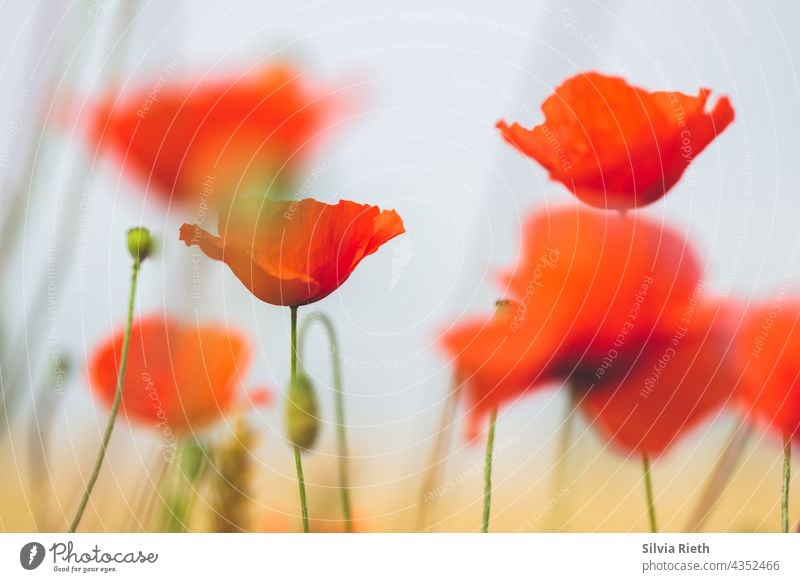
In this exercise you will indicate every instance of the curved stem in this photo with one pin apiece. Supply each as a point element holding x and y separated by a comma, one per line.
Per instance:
<point>648,488</point>
<point>341,433</point>
<point>720,476</point>
<point>487,472</point>
<point>298,461</point>
<point>101,455</point>
<point>787,475</point>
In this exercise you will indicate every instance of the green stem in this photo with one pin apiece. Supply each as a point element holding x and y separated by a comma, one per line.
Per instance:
<point>648,488</point>
<point>101,454</point>
<point>787,474</point>
<point>298,461</point>
<point>341,432</point>
<point>487,472</point>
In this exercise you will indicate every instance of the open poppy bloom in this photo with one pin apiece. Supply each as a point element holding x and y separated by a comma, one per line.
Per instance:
<point>769,343</point>
<point>617,146</point>
<point>295,253</point>
<point>178,376</point>
<point>602,302</point>
<point>192,143</point>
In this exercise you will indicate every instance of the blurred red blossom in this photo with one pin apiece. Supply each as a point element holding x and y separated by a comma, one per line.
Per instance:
<point>617,146</point>
<point>203,142</point>
<point>769,348</point>
<point>614,307</point>
<point>179,376</point>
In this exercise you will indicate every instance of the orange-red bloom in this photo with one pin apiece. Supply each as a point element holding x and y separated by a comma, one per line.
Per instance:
<point>178,376</point>
<point>295,253</point>
<point>192,142</point>
<point>769,344</point>
<point>614,306</point>
<point>618,146</point>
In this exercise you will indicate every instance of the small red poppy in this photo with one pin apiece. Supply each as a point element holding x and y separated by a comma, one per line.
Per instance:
<point>180,376</point>
<point>617,146</point>
<point>296,253</point>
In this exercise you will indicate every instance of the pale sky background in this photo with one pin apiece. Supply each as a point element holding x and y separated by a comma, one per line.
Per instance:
<point>432,79</point>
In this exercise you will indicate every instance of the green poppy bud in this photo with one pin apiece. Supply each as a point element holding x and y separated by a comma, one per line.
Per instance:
<point>302,413</point>
<point>140,243</point>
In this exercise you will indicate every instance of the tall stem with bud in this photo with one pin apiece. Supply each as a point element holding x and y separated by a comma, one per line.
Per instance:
<point>140,246</point>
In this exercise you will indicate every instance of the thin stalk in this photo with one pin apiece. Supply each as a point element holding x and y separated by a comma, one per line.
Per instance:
<point>720,476</point>
<point>787,476</point>
<point>487,472</point>
<point>298,461</point>
<point>101,454</point>
<point>440,446</point>
<point>560,471</point>
<point>343,454</point>
<point>648,488</point>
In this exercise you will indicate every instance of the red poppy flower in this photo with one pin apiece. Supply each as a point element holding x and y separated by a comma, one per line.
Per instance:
<point>618,146</point>
<point>195,142</point>
<point>681,374</point>
<point>600,298</point>
<point>296,253</point>
<point>769,344</point>
<point>178,376</point>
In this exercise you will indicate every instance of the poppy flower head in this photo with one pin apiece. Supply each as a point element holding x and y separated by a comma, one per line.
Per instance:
<point>179,376</point>
<point>585,279</point>
<point>616,146</point>
<point>294,253</point>
<point>191,143</point>
<point>769,345</point>
<point>600,299</point>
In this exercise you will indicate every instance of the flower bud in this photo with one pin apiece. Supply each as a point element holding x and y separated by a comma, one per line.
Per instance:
<point>302,418</point>
<point>140,243</point>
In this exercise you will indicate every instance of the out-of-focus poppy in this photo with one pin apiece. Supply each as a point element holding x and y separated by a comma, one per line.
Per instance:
<point>600,300</point>
<point>179,376</point>
<point>296,253</point>
<point>204,142</point>
<point>681,374</point>
<point>617,146</point>
<point>769,347</point>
